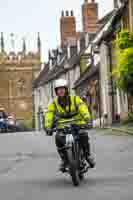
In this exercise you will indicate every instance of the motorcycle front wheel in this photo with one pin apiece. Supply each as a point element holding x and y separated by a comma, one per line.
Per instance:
<point>73,166</point>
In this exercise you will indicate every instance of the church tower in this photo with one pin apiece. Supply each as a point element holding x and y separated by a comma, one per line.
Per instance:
<point>17,73</point>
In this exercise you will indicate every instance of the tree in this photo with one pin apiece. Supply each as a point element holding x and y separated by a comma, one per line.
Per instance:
<point>124,70</point>
<point>124,40</point>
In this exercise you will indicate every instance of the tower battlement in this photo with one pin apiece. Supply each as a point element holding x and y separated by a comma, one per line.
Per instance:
<point>22,56</point>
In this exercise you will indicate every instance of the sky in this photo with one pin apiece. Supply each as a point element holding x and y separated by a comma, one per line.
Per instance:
<point>25,18</point>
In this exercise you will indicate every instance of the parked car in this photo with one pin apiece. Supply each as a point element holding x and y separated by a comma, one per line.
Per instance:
<point>11,123</point>
<point>3,125</point>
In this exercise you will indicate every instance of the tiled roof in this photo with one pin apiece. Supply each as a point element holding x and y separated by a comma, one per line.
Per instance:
<point>110,26</point>
<point>47,75</point>
<point>58,70</point>
<point>88,73</point>
<point>53,73</point>
<point>43,74</point>
<point>104,19</point>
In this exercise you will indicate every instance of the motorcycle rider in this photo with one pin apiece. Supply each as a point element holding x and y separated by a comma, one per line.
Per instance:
<point>66,107</point>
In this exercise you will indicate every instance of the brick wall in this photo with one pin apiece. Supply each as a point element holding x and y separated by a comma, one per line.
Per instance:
<point>67,27</point>
<point>90,16</point>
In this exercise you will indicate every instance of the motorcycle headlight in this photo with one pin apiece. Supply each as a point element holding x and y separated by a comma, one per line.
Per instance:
<point>69,139</point>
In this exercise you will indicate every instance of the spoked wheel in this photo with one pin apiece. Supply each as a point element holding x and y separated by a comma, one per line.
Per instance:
<point>82,165</point>
<point>74,169</point>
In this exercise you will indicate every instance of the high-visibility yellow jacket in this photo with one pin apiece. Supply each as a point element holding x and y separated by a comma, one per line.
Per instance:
<point>78,111</point>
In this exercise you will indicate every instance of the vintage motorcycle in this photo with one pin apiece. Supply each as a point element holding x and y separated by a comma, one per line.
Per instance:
<point>77,165</point>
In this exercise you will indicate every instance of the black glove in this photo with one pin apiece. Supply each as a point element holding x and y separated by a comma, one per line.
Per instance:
<point>49,132</point>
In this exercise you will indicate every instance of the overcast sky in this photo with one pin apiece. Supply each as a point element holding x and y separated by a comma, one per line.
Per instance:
<point>27,17</point>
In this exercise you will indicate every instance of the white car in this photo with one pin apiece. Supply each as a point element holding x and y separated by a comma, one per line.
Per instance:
<point>11,123</point>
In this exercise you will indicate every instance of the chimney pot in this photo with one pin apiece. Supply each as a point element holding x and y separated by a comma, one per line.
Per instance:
<point>67,13</point>
<point>72,14</point>
<point>62,13</point>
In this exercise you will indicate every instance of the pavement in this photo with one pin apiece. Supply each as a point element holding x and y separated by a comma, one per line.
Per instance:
<point>123,129</point>
<point>29,168</point>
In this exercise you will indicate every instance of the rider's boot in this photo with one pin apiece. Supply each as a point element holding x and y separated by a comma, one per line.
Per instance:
<point>89,157</point>
<point>91,160</point>
<point>63,163</point>
<point>62,166</point>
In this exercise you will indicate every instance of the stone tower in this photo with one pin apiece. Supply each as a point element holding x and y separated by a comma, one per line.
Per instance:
<point>17,72</point>
<point>67,27</point>
<point>90,16</point>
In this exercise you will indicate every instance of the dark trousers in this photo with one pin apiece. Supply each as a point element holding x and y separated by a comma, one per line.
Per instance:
<point>84,142</point>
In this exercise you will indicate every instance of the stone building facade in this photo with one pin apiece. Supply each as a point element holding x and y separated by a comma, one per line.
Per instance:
<point>17,72</point>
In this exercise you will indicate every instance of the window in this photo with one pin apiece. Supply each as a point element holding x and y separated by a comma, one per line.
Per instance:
<point>21,87</point>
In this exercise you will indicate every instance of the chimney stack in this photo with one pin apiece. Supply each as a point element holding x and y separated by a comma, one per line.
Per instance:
<point>90,16</point>
<point>67,27</point>
<point>115,3</point>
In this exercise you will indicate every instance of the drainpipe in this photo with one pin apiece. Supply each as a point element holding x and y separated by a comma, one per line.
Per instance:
<point>111,79</point>
<point>99,99</point>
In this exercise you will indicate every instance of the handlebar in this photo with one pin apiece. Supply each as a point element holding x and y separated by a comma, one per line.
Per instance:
<point>68,121</point>
<point>85,126</point>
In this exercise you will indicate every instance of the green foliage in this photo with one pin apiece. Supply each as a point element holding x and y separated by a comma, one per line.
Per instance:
<point>130,116</point>
<point>124,70</point>
<point>83,63</point>
<point>125,67</point>
<point>125,40</point>
<point>129,119</point>
<point>28,124</point>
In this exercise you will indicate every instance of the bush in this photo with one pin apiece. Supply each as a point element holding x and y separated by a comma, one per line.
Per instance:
<point>125,39</point>
<point>125,67</point>
<point>129,119</point>
<point>130,116</point>
<point>124,71</point>
<point>28,124</point>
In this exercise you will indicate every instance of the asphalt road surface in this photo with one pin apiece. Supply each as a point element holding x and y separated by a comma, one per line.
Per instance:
<point>29,169</point>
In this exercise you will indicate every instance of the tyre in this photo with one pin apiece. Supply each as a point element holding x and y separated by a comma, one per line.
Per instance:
<point>74,171</point>
<point>82,164</point>
<point>81,177</point>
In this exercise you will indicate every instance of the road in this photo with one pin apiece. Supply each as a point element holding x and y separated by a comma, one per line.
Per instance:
<point>29,169</point>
